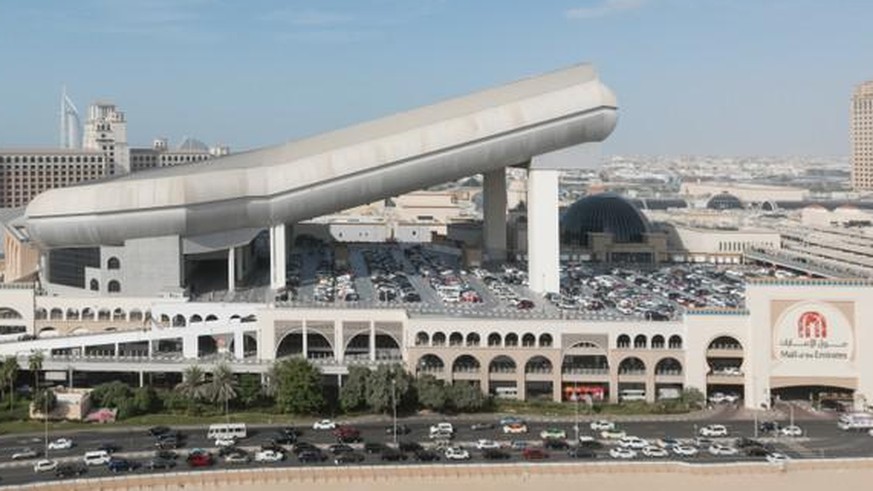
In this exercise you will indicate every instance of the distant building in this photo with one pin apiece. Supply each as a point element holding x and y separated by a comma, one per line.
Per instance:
<point>862,137</point>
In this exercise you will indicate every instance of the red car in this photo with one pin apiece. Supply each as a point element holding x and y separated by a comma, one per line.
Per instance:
<point>533,453</point>
<point>200,459</point>
<point>346,434</point>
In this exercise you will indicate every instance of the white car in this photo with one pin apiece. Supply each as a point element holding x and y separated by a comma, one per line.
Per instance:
<point>25,453</point>
<point>622,453</point>
<point>602,425</point>
<point>515,428</point>
<point>685,450</point>
<point>324,424</point>
<point>225,442</point>
<point>487,445</point>
<point>61,444</point>
<point>714,431</point>
<point>656,452</point>
<point>442,428</point>
<point>612,434</point>
<point>237,458</point>
<point>269,456</point>
<point>633,442</point>
<point>777,458</point>
<point>457,453</point>
<point>792,430</point>
<point>45,465</point>
<point>719,449</point>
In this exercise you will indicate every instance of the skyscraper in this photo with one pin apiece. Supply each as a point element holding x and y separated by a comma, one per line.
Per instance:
<point>862,137</point>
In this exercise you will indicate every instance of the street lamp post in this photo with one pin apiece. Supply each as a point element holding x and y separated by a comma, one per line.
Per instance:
<point>394,404</point>
<point>576,410</point>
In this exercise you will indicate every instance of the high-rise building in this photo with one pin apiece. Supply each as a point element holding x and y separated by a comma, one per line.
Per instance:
<point>106,131</point>
<point>862,137</point>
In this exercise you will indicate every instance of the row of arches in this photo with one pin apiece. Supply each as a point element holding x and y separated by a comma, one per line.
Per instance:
<point>180,320</point>
<point>91,314</point>
<point>318,345</point>
<point>493,340</point>
<point>641,341</point>
<point>467,363</point>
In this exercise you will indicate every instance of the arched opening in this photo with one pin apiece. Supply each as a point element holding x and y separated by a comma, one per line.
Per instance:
<point>422,339</point>
<point>657,341</point>
<point>538,364</point>
<point>113,286</point>
<point>430,364</point>
<point>473,339</point>
<point>136,315</point>
<point>87,314</point>
<point>317,345</point>
<point>456,339</point>
<point>545,340</point>
<point>585,365</point>
<point>623,342</point>
<point>119,314</point>
<point>438,339</point>
<point>7,313</point>
<point>47,332</point>
<point>668,367</point>
<point>494,339</point>
<point>528,340</point>
<point>195,319</point>
<point>56,314</point>
<point>640,341</point>
<point>179,320</point>
<point>104,315</point>
<point>249,318</point>
<point>72,314</point>
<point>724,356</point>
<point>632,366</point>
<point>250,346</point>
<point>211,318</point>
<point>207,345</point>
<point>113,263</point>
<point>465,364</point>
<point>725,343</point>
<point>511,339</point>
<point>165,320</point>
<point>40,314</point>
<point>94,285</point>
<point>675,342</point>
<point>502,364</point>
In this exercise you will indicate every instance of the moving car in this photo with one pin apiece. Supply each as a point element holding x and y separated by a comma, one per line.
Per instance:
<point>70,470</point>
<point>442,428</point>
<point>601,425</point>
<point>685,450</point>
<point>324,424</point>
<point>225,442</point>
<point>348,458</point>
<point>160,463</point>
<point>311,456</point>
<point>714,431</point>
<point>633,442</point>
<point>534,453</point>
<point>655,452</point>
<point>791,431</point>
<point>121,465</point>
<point>509,420</point>
<point>158,430</point>
<point>777,458</point>
<point>553,433</point>
<point>45,465</point>
<point>375,447</point>
<point>61,444</point>
<point>338,448</point>
<point>25,453</point>
<point>719,449</point>
<point>347,434</point>
<point>581,453</point>
<point>401,430</point>
<point>426,456</point>
<point>613,434</point>
<point>199,458</point>
<point>622,453</point>
<point>514,428</point>
<point>269,456</point>
<point>457,453</point>
<point>238,457</point>
<point>495,454</point>
<point>392,455</point>
<point>96,457</point>
<point>484,444</point>
<point>482,426</point>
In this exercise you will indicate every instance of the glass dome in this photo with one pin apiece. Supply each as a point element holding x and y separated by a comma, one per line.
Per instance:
<point>603,213</point>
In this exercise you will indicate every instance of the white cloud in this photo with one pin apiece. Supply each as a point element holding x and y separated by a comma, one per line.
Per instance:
<point>604,8</point>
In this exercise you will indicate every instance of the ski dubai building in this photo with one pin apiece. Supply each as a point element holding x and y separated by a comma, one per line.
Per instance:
<point>115,256</point>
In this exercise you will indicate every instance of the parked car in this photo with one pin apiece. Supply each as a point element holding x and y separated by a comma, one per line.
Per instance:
<point>346,458</point>
<point>324,424</point>
<point>633,442</point>
<point>714,431</point>
<point>655,452</point>
<point>719,449</point>
<point>685,450</point>
<point>602,425</point>
<point>553,433</point>
<point>622,453</point>
<point>61,444</point>
<point>121,465</point>
<point>457,453</point>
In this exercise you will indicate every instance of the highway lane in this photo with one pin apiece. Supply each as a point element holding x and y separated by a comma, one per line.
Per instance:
<point>822,439</point>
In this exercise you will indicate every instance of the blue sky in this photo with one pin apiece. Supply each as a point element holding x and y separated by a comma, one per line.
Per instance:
<point>716,77</point>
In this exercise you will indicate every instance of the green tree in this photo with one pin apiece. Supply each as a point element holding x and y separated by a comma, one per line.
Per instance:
<point>111,394</point>
<point>353,394</point>
<point>45,401</point>
<point>223,386</point>
<point>145,400</point>
<point>250,390</point>
<point>466,397</point>
<point>9,371</point>
<point>431,391</point>
<point>692,398</point>
<point>297,387</point>
<point>193,386</point>
<point>34,364</point>
<point>387,382</point>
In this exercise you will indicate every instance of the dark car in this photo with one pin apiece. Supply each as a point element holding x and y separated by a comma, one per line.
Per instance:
<point>495,454</point>
<point>166,454</point>
<point>272,446</point>
<point>347,434</point>
<point>168,443</point>
<point>303,446</point>
<point>581,453</point>
<point>533,453</point>
<point>768,426</point>
<point>121,465</point>
<point>158,430</point>
<point>283,439</point>
<point>758,451</point>
<point>70,470</point>
<point>311,456</point>
<point>392,455</point>
<point>427,456</point>
<point>374,447</point>
<point>401,430</point>
<point>109,447</point>
<point>482,426</point>
<point>291,432</point>
<point>346,458</point>
<point>591,444</point>
<point>340,448</point>
<point>555,444</point>
<point>410,447</point>
<point>159,463</point>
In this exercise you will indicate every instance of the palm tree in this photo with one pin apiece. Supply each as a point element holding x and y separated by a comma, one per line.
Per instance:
<point>193,383</point>
<point>10,372</point>
<point>34,364</point>
<point>223,386</point>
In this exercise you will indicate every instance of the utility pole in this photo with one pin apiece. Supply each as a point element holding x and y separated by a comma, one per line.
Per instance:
<point>394,404</point>
<point>46,419</point>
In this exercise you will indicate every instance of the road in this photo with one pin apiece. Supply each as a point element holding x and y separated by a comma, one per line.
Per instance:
<point>822,439</point>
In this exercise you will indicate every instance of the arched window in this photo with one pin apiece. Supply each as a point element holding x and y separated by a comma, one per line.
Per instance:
<point>623,341</point>
<point>95,285</point>
<point>114,286</point>
<point>511,339</point>
<point>545,340</point>
<point>528,340</point>
<point>640,341</point>
<point>675,342</point>
<point>456,339</point>
<point>657,341</point>
<point>494,339</point>
<point>473,339</point>
<point>438,339</point>
<point>422,339</point>
<point>113,263</point>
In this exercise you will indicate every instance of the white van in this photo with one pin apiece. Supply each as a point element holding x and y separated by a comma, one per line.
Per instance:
<point>97,457</point>
<point>226,431</point>
<point>506,392</point>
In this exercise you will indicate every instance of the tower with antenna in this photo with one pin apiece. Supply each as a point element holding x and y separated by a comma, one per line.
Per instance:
<point>71,125</point>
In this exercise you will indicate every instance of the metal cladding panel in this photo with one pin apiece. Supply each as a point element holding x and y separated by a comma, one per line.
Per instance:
<point>301,180</point>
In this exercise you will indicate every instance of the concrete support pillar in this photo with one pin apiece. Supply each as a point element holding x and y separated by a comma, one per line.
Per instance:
<point>494,223</point>
<point>613,385</point>
<point>338,342</point>
<point>557,390</point>
<point>44,268</point>
<point>238,344</point>
<point>231,269</point>
<point>520,387</point>
<point>117,351</point>
<point>277,256</point>
<point>151,348</point>
<point>189,346</point>
<point>650,387</point>
<point>70,373</point>
<point>372,341</point>
<point>240,262</point>
<point>543,241</point>
<point>141,378</point>
<point>305,341</point>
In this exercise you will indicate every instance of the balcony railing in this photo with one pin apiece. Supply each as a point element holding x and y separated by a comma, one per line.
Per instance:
<point>585,371</point>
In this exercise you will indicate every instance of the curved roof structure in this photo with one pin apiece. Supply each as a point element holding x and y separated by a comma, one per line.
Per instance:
<point>504,126</point>
<point>603,213</point>
<point>724,201</point>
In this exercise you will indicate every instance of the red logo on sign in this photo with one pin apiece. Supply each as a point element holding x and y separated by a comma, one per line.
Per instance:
<point>812,325</point>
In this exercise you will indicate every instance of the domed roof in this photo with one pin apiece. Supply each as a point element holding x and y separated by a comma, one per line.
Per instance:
<point>724,201</point>
<point>603,213</point>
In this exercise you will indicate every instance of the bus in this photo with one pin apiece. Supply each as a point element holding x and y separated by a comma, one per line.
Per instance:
<point>506,392</point>
<point>632,395</point>
<point>856,422</point>
<point>224,431</point>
